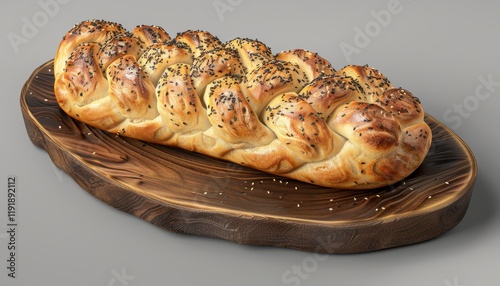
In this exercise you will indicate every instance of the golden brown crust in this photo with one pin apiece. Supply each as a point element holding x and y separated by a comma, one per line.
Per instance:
<point>198,41</point>
<point>311,63</point>
<point>371,80</point>
<point>232,116</point>
<point>271,79</point>
<point>91,31</point>
<point>299,127</point>
<point>150,35</point>
<point>253,53</point>
<point>159,56</point>
<point>289,114</point>
<point>117,47</point>
<point>131,90</point>
<point>178,104</point>
<point>403,105</point>
<point>413,147</point>
<point>214,64</point>
<point>276,159</point>
<point>81,90</point>
<point>82,77</point>
<point>326,92</point>
<point>367,126</point>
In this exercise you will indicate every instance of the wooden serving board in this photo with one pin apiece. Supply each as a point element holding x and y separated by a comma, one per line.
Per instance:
<point>190,193</point>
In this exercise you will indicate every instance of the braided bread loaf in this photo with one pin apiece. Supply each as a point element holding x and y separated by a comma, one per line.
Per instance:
<point>290,114</point>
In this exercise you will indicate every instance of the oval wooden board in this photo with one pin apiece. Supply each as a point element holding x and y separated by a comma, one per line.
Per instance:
<point>190,193</point>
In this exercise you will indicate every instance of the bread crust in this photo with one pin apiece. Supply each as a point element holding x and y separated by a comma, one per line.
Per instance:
<point>290,114</point>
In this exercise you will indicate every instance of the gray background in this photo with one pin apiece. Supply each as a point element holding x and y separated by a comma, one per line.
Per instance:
<point>442,51</point>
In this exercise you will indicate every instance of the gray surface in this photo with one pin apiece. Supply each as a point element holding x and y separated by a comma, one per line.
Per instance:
<point>439,51</point>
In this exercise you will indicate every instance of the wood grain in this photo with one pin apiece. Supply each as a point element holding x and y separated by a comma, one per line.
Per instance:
<point>190,193</point>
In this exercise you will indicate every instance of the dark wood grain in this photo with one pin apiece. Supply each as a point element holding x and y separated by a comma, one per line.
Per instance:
<point>190,193</point>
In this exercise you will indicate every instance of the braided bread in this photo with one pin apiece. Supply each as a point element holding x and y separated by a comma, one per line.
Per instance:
<point>290,114</point>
